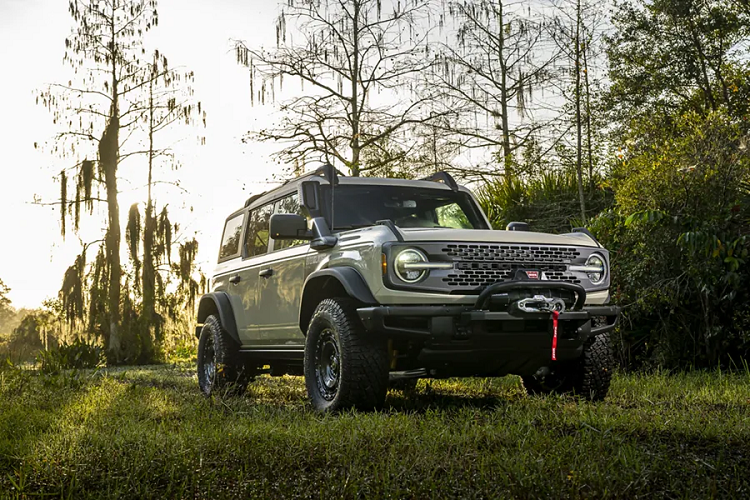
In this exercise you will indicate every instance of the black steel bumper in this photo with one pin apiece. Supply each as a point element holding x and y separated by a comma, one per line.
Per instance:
<point>461,340</point>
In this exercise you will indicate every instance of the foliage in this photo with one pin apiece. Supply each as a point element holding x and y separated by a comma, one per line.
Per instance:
<point>35,331</point>
<point>5,304</point>
<point>685,434</point>
<point>547,201</point>
<point>673,56</point>
<point>78,355</point>
<point>679,242</point>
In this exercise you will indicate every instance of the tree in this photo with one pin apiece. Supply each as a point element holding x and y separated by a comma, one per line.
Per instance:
<point>358,60</point>
<point>574,29</point>
<point>104,50</point>
<point>169,101</point>
<point>6,310</point>
<point>671,56</point>
<point>500,57</point>
<point>117,93</point>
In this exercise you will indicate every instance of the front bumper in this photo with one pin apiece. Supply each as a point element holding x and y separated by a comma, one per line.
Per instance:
<point>465,341</point>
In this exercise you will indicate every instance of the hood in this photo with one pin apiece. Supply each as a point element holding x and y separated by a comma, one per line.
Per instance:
<point>497,236</point>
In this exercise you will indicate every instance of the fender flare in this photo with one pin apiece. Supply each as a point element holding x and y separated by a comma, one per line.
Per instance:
<point>349,278</point>
<point>220,303</point>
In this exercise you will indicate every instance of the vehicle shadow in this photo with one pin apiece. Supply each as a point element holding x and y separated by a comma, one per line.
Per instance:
<point>426,398</point>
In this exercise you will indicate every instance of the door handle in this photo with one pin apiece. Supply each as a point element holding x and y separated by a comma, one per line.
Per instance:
<point>235,279</point>
<point>266,273</point>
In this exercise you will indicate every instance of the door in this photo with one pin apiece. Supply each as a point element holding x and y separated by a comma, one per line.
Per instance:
<point>280,285</point>
<point>254,252</point>
<point>232,275</point>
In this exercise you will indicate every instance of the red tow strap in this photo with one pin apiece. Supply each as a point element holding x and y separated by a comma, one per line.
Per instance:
<point>555,315</point>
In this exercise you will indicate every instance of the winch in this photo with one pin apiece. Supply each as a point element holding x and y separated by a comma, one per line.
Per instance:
<point>541,304</point>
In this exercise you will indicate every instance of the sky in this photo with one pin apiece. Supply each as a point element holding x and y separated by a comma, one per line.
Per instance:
<point>216,178</point>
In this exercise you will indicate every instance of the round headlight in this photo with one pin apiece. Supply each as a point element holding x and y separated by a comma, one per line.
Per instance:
<point>402,265</point>
<point>596,260</point>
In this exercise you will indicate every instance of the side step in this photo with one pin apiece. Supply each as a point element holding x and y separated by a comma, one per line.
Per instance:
<point>407,374</point>
<point>273,354</point>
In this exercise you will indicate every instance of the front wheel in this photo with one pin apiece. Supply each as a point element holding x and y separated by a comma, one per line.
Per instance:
<point>589,377</point>
<point>344,366</point>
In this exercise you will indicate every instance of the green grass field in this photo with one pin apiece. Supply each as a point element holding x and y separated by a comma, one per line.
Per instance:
<point>146,432</point>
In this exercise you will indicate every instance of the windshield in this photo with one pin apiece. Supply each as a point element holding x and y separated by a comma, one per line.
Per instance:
<point>364,205</point>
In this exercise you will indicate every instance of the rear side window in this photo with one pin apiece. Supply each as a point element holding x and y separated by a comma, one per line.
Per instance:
<point>256,237</point>
<point>230,242</point>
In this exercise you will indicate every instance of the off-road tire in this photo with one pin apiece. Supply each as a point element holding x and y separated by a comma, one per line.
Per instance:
<point>596,367</point>
<point>361,380</point>
<point>230,376</point>
<point>588,377</point>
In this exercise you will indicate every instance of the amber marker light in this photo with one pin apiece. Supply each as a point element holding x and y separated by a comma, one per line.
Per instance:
<point>384,264</point>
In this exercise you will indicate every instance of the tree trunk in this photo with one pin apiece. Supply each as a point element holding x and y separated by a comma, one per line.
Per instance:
<point>356,149</point>
<point>589,146</point>
<point>507,153</point>
<point>579,121</point>
<point>150,330</point>
<point>109,156</point>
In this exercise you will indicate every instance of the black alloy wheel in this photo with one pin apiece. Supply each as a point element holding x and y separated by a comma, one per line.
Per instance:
<point>219,366</point>
<point>345,366</point>
<point>327,364</point>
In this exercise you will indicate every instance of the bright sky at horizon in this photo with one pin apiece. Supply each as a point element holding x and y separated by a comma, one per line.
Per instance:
<point>217,177</point>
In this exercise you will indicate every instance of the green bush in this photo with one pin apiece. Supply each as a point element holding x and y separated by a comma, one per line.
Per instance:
<point>548,201</point>
<point>77,355</point>
<point>678,238</point>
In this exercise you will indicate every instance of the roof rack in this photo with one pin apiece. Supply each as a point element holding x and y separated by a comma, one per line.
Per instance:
<point>444,178</point>
<point>253,198</point>
<point>327,171</point>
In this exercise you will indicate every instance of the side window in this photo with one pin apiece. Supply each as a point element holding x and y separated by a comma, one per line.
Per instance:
<point>288,205</point>
<point>256,236</point>
<point>230,242</point>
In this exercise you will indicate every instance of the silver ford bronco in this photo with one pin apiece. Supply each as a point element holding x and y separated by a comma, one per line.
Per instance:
<point>359,283</point>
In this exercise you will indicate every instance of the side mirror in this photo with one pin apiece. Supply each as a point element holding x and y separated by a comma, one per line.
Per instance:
<point>289,227</point>
<point>517,226</point>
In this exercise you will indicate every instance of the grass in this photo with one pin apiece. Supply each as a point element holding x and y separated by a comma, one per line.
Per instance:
<point>146,432</point>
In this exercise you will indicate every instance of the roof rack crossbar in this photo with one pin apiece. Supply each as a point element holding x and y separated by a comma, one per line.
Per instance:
<point>443,177</point>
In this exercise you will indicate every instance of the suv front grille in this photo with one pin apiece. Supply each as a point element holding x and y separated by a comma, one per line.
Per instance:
<point>480,265</point>
<point>512,253</point>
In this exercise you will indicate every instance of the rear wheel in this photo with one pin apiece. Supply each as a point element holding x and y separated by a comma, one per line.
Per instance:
<point>589,377</point>
<point>219,366</point>
<point>344,367</point>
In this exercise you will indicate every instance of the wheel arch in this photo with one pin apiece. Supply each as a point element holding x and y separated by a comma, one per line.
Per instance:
<point>217,303</point>
<point>332,282</point>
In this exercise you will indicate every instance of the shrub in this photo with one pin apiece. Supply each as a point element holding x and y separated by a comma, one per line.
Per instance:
<point>77,355</point>
<point>547,201</point>
<point>678,238</point>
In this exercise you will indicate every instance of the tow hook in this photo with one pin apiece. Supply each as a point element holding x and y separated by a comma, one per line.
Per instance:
<point>541,304</point>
